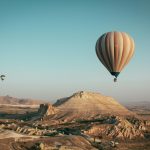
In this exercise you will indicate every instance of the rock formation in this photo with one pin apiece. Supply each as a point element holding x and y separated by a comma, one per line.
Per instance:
<point>122,129</point>
<point>87,105</point>
<point>46,110</point>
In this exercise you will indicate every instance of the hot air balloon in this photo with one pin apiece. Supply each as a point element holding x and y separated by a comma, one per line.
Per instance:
<point>115,50</point>
<point>2,77</point>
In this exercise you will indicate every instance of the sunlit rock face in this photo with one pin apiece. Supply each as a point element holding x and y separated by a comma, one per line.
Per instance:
<point>46,110</point>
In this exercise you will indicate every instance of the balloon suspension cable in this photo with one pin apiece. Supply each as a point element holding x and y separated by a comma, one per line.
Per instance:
<point>115,79</point>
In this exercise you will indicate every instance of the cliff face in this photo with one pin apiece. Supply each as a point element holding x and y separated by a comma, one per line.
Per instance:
<point>46,110</point>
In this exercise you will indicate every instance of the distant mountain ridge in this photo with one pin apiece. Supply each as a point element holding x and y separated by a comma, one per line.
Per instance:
<point>8,100</point>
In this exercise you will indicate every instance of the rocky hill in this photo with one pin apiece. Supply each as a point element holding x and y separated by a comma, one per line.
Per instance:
<point>87,105</point>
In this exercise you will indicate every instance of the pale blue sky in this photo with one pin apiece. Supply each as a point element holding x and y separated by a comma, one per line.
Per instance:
<point>47,47</point>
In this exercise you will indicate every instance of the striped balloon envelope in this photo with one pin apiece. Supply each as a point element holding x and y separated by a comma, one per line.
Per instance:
<point>114,50</point>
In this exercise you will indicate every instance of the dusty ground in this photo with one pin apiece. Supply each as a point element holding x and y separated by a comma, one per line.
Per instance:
<point>140,108</point>
<point>66,142</point>
<point>69,143</point>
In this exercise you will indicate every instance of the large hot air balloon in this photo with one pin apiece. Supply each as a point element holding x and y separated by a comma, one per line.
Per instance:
<point>114,50</point>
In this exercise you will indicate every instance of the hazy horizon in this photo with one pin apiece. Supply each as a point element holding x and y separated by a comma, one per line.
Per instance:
<point>48,48</point>
<point>52,101</point>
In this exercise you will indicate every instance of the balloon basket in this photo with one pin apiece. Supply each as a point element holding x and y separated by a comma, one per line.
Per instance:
<point>115,79</point>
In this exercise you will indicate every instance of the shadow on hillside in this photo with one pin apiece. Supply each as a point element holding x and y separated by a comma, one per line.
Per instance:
<point>26,116</point>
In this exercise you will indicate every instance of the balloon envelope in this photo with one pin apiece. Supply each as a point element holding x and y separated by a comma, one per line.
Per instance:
<point>114,50</point>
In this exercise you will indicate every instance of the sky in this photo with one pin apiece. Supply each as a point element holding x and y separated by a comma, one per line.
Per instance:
<point>47,48</point>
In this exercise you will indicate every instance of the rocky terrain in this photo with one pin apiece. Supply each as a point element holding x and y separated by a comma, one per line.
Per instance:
<point>85,120</point>
<point>142,108</point>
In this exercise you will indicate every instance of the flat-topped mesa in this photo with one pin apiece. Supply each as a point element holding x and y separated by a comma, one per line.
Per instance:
<point>46,110</point>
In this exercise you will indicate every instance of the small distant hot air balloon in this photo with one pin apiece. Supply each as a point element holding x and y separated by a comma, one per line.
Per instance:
<point>114,50</point>
<point>2,77</point>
